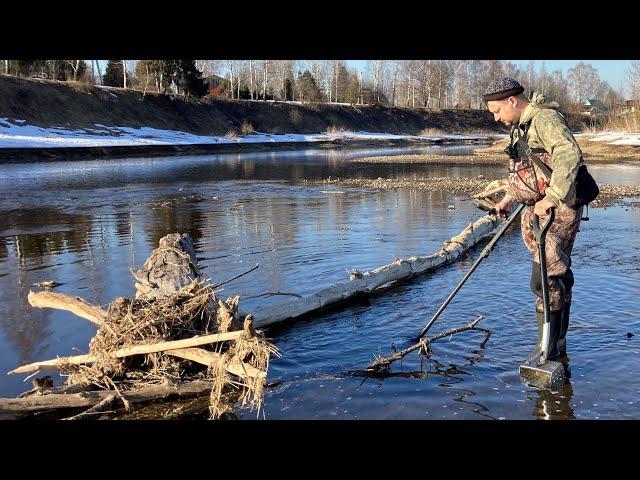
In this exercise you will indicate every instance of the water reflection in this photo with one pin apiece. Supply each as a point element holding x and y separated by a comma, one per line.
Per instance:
<point>551,405</point>
<point>37,232</point>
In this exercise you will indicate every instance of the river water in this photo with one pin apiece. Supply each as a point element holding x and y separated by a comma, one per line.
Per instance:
<point>86,223</point>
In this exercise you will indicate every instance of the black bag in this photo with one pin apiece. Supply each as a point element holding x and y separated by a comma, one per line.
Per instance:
<point>586,187</point>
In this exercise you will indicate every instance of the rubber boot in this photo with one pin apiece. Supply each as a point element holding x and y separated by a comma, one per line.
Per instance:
<point>562,340</point>
<point>564,326</point>
<point>555,319</point>
<point>555,325</point>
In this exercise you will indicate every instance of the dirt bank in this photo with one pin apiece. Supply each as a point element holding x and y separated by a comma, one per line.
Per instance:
<point>74,105</point>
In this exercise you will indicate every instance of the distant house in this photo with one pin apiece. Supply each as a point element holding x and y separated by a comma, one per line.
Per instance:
<point>593,107</point>
<point>631,106</point>
<point>216,84</point>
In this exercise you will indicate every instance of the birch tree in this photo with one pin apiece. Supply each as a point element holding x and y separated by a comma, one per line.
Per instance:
<point>632,78</point>
<point>583,80</point>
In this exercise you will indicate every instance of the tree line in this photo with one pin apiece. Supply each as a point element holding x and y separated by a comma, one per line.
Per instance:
<point>402,83</point>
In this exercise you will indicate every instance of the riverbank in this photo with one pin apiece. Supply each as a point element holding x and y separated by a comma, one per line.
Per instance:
<point>218,145</point>
<point>596,148</point>
<point>610,195</point>
<point>72,105</point>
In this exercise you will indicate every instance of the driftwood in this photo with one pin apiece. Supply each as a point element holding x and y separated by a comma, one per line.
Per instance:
<point>483,204</point>
<point>12,408</point>
<point>173,312</point>
<point>360,283</point>
<point>382,364</point>
<point>170,267</point>
<point>491,191</point>
<point>99,408</point>
<point>210,359</point>
<point>126,352</point>
<point>75,305</point>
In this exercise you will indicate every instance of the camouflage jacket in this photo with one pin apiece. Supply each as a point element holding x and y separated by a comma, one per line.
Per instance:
<point>548,130</point>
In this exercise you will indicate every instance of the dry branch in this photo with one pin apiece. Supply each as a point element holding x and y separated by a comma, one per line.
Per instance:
<point>211,359</point>
<point>70,303</point>
<point>98,409</point>
<point>383,363</point>
<point>126,352</point>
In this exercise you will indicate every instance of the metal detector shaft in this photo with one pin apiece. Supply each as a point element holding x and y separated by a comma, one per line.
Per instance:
<point>541,235</point>
<point>482,256</point>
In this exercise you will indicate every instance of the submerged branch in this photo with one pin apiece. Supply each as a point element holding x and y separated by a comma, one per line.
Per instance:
<point>383,363</point>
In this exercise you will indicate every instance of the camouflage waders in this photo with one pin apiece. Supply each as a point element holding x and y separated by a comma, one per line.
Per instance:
<point>529,184</point>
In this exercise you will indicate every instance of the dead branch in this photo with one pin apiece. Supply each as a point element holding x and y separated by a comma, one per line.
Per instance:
<point>483,204</point>
<point>99,408</point>
<point>224,282</point>
<point>383,363</point>
<point>211,359</point>
<point>126,352</point>
<point>70,303</point>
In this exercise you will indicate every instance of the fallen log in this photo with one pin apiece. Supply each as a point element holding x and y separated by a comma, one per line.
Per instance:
<point>14,408</point>
<point>360,283</point>
<point>488,192</point>
<point>127,352</point>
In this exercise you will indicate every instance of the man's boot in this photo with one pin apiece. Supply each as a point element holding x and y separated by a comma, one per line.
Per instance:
<point>555,327</point>
<point>562,341</point>
<point>564,326</point>
<point>555,319</point>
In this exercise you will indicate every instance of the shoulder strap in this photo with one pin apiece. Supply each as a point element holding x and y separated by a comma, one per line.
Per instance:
<point>530,153</point>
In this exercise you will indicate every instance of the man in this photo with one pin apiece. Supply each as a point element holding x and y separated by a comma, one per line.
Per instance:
<point>545,132</point>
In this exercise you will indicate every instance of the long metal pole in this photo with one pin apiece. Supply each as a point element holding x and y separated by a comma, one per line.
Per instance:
<point>483,255</point>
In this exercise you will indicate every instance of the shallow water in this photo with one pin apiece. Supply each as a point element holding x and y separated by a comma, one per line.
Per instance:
<point>86,223</point>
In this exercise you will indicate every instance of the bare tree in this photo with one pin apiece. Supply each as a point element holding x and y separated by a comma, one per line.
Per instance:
<point>265,73</point>
<point>396,66</point>
<point>632,78</point>
<point>377,68</point>
<point>231,65</point>
<point>583,80</point>
<point>75,65</point>
<point>251,70</point>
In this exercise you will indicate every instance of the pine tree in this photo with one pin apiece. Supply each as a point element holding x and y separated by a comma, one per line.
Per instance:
<point>308,88</point>
<point>113,74</point>
<point>189,79</point>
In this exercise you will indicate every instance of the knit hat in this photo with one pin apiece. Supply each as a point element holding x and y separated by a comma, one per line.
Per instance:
<point>502,88</point>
